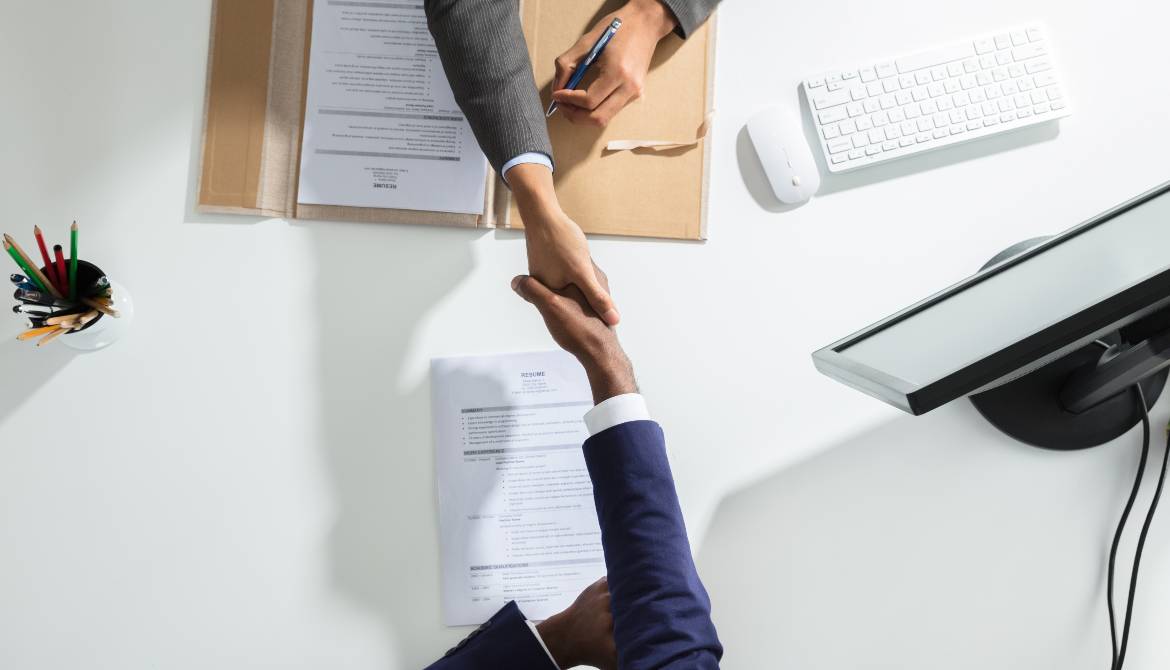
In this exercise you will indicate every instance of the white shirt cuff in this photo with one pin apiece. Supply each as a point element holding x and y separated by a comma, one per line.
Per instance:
<point>615,411</point>
<point>532,627</point>
<point>530,157</point>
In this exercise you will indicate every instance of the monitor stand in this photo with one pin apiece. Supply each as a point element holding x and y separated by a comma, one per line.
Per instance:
<point>1031,409</point>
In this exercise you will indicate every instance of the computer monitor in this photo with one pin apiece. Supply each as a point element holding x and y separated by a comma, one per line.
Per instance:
<point>1049,339</point>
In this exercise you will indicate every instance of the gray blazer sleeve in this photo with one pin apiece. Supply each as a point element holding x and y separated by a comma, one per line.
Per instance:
<point>690,13</point>
<point>486,60</point>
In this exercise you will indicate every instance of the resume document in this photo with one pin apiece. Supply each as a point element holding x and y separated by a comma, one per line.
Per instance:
<point>516,514</point>
<point>382,128</point>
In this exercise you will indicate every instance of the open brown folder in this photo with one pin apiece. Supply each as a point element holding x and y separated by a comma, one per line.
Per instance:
<point>256,87</point>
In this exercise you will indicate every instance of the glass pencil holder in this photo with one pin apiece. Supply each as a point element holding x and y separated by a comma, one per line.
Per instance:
<point>104,329</point>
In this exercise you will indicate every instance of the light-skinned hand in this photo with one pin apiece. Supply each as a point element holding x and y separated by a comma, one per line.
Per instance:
<point>621,69</point>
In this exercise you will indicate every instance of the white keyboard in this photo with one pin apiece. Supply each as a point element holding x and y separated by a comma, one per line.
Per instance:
<point>904,106</point>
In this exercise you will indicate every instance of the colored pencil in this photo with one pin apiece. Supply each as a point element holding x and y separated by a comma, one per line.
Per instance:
<point>87,317</point>
<point>73,262</point>
<point>62,273</point>
<point>52,336</point>
<point>34,272</point>
<point>23,265</point>
<point>63,318</point>
<point>52,271</point>
<point>35,332</point>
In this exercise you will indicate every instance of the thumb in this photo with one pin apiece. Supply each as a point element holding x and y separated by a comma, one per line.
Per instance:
<point>601,302</point>
<point>532,291</point>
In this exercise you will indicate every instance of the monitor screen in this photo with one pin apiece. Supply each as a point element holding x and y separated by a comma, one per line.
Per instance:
<point>1035,293</point>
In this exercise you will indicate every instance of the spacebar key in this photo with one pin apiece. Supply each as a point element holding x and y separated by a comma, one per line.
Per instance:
<point>936,57</point>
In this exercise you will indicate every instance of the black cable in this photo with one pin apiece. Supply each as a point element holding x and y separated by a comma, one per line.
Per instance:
<point>1119,652</point>
<point>1141,545</point>
<point>1137,484</point>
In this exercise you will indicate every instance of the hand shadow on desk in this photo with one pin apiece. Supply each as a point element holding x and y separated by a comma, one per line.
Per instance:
<point>376,284</point>
<point>26,369</point>
<point>901,545</point>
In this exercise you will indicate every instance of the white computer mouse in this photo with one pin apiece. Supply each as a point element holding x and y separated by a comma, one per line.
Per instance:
<point>792,171</point>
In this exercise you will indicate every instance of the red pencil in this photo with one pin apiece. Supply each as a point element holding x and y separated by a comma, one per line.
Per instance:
<point>62,285</point>
<point>49,270</point>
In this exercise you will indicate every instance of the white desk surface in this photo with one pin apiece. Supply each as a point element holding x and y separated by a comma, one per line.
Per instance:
<point>246,481</point>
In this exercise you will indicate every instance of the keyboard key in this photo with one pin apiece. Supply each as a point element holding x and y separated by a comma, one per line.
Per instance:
<point>1007,116</point>
<point>906,81</point>
<point>1039,96</point>
<point>936,90</point>
<point>928,107</point>
<point>993,91</point>
<point>955,130</point>
<point>961,99</point>
<point>893,132</point>
<point>1059,104</point>
<point>967,81</point>
<point>1022,100</point>
<point>990,121</point>
<point>887,101</point>
<point>987,62</point>
<point>984,46</point>
<point>944,104</point>
<point>922,137</point>
<point>889,144</point>
<point>860,139</point>
<point>1003,41</point>
<point>864,123</point>
<point>871,105</point>
<point>876,136</point>
<point>833,77</point>
<point>890,85</point>
<point>941,133</point>
<point>908,128</point>
<point>1025,112</point>
<point>856,153</point>
<point>1037,65</point>
<point>951,85</point>
<point>847,127</point>
<point>839,158</point>
<point>1019,37</point>
<point>873,150</point>
<point>1010,88</point>
<point>954,69</point>
<point>903,97</point>
<point>1005,105</point>
<point>1044,79</point>
<point>835,86</point>
<point>905,141</point>
<point>990,108</point>
<point>1026,84</point>
<point>935,57</point>
<point>840,144</point>
<point>854,109</point>
<point>922,77</point>
<point>978,95</point>
<point>897,115</point>
<point>919,94</point>
<point>971,65</point>
<point>830,131</point>
<point>1034,34</point>
<point>1003,58</point>
<point>832,115</point>
<point>886,70</point>
<point>983,78</point>
<point>974,125</point>
<point>1015,70</point>
<point>1053,92</point>
<point>1029,51</point>
<point>873,88</point>
<point>880,119</point>
<point>957,116</point>
<point>816,82</point>
<point>999,74</point>
<point>974,112</point>
<point>857,92</point>
<point>941,120</point>
<point>868,74</point>
<point>830,99</point>
<point>938,73</point>
<point>849,74</point>
<point>1042,109</point>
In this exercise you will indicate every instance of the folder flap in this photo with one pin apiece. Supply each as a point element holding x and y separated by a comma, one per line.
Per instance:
<point>236,105</point>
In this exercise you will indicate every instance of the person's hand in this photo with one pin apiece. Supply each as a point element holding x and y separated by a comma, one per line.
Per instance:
<point>621,67</point>
<point>558,253</point>
<point>583,633</point>
<point>577,329</point>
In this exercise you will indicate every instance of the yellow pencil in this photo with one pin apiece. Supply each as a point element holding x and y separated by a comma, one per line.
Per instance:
<point>52,336</point>
<point>35,332</point>
<point>34,268</point>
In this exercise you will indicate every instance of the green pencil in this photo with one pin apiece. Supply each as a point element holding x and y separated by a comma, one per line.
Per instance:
<point>32,276</point>
<point>73,262</point>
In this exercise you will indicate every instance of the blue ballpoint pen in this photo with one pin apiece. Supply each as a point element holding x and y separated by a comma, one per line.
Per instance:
<point>594,53</point>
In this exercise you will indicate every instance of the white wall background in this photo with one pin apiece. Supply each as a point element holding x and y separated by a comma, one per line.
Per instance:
<point>246,480</point>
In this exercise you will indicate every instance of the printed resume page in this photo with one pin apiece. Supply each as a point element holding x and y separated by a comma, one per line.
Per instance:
<point>382,128</point>
<point>516,514</point>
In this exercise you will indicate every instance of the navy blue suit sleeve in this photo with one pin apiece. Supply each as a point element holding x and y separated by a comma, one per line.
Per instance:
<point>662,615</point>
<point>504,641</point>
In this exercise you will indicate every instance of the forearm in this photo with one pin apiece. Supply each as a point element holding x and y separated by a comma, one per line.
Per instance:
<point>482,47</point>
<point>662,614</point>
